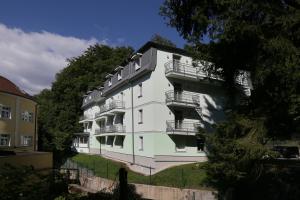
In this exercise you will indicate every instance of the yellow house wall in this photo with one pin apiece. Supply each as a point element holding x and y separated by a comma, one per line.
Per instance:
<point>15,127</point>
<point>8,126</point>
<point>26,128</point>
<point>39,160</point>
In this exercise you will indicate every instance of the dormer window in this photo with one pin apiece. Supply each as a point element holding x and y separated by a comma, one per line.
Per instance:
<point>120,75</point>
<point>136,58</point>
<point>137,63</point>
<point>108,76</point>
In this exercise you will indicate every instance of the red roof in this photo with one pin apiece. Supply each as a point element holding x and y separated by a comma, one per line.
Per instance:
<point>9,87</point>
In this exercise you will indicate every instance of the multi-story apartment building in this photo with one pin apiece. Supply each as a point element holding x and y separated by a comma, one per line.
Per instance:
<point>150,109</point>
<point>18,128</point>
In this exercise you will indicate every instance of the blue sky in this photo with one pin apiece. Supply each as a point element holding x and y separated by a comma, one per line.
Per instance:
<point>37,36</point>
<point>128,22</point>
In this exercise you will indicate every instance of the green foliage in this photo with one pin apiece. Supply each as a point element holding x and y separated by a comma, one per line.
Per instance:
<point>262,37</point>
<point>259,36</point>
<point>23,183</point>
<point>161,40</point>
<point>186,176</point>
<point>60,107</point>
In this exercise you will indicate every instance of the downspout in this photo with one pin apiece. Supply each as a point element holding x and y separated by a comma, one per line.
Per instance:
<point>35,129</point>
<point>132,123</point>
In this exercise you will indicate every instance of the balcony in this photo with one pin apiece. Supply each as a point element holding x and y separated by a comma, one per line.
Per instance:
<point>116,128</point>
<point>182,127</point>
<point>112,108</point>
<point>176,69</point>
<point>185,99</point>
<point>85,118</point>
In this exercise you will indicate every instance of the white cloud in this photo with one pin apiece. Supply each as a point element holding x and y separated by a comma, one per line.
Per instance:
<point>31,59</point>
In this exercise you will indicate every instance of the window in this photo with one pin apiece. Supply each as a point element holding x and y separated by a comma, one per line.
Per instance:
<point>109,82</point>
<point>137,63</point>
<point>180,144</point>
<point>83,140</point>
<point>119,141</point>
<point>27,116</point>
<point>4,140</point>
<point>140,116</point>
<point>200,144</point>
<point>26,140</point>
<point>140,90</point>
<point>5,112</point>
<point>141,143</point>
<point>119,75</point>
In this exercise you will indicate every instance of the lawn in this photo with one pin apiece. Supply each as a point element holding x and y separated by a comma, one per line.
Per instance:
<point>184,176</point>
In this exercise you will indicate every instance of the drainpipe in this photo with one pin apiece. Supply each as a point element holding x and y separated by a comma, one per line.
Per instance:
<point>35,140</point>
<point>132,124</point>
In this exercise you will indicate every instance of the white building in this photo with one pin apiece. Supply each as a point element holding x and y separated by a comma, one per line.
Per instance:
<point>149,110</point>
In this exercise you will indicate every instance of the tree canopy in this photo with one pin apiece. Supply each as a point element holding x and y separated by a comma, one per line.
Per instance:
<point>263,38</point>
<point>161,40</point>
<point>60,107</point>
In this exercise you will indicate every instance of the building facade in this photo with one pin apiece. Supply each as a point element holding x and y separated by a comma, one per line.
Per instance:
<point>18,128</point>
<point>150,109</point>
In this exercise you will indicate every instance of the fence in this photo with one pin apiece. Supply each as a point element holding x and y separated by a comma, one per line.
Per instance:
<point>174,177</point>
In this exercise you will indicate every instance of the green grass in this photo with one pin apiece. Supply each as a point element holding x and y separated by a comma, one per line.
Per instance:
<point>184,176</point>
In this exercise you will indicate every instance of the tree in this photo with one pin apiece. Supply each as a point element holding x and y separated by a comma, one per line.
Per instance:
<point>258,36</point>
<point>161,40</point>
<point>60,107</point>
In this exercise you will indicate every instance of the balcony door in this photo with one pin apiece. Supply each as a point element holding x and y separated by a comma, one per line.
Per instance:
<point>176,62</point>
<point>177,92</point>
<point>178,119</point>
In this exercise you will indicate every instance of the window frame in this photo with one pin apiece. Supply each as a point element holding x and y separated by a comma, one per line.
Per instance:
<point>27,116</point>
<point>140,116</point>
<point>141,143</point>
<point>137,63</point>
<point>5,112</point>
<point>25,138</point>
<point>140,90</point>
<point>5,137</point>
<point>119,75</point>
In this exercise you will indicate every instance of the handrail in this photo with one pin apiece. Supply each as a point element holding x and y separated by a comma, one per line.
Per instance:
<point>116,128</point>
<point>182,126</point>
<point>84,117</point>
<point>182,96</point>
<point>112,105</point>
<point>199,72</point>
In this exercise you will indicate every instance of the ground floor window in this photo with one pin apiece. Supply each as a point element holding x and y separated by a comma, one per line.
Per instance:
<point>141,143</point>
<point>26,140</point>
<point>4,140</point>
<point>102,140</point>
<point>200,144</point>
<point>110,140</point>
<point>83,140</point>
<point>120,141</point>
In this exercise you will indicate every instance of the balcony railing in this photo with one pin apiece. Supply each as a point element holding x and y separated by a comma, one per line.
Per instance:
<point>174,66</point>
<point>112,105</point>
<point>116,128</point>
<point>85,117</point>
<point>182,97</point>
<point>182,127</point>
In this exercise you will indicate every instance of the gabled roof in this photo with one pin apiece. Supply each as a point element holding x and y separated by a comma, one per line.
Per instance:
<point>9,87</point>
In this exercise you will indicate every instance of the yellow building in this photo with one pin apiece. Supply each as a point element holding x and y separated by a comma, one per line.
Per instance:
<point>18,128</point>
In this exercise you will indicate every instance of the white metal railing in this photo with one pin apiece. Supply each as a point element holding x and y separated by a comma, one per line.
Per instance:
<point>85,117</point>
<point>182,97</point>
<point>116,128</point>
<point>198,72</point>
<point>112,105</point>
<point>182,126</point>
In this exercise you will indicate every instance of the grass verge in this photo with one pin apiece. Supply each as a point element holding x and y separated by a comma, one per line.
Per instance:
<point>183,176</point>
